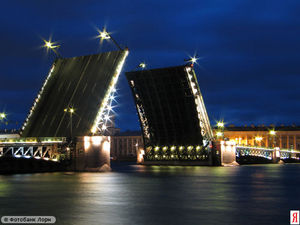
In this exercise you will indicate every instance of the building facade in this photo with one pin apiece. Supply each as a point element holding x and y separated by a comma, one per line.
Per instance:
<point>284,137</point>
<point>124,146</point>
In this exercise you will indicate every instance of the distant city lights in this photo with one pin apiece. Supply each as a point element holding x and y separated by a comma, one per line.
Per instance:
<point>258,138</point>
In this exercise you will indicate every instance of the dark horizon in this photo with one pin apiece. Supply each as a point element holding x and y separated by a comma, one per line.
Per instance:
<point>248,52</point>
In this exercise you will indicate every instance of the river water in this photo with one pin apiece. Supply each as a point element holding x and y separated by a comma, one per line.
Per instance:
<point>139,195</point>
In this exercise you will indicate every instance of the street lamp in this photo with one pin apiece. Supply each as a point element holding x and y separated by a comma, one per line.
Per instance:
<point>104,35</point>
<point>2,116</point>
<point>53,46</point>
<point>220,124</point>
<point>193,60</point>
<point>219,134</point>
<point>220,131</point>
<point>142,65</point>
<point>70,110</point>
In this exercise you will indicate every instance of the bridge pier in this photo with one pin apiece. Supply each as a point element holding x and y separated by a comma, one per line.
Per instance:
<point>225,153</point>
<point>91,153</point>
<point>276,155</point>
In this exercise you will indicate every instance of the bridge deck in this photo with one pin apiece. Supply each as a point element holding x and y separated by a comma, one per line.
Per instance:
<point>81,83</point>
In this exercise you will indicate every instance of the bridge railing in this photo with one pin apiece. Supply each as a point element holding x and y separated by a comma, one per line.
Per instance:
<point>32,140</point>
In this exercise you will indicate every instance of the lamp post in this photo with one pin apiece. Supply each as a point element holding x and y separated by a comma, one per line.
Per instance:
<point>2,117</point>
<point>220,131</point>
<point>142,65</point>
<point>220,124</point>
<point>104,35</point>
<point>192,60</point>
<point>53,46</point>
<point>70,110</point>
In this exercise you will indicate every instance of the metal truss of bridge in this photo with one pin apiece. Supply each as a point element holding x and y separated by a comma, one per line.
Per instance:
<point>85,84</point>
<point>42,148</point>
<point>251,154</point>
<point>172,114</point>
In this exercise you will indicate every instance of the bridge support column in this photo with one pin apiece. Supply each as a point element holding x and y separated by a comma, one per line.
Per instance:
<point>276,155</point>
<point>91,153</point>
<point>227,151</point>
<point>140,155</point>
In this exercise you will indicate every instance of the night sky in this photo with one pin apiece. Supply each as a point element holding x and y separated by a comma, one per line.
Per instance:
<point>249,67</point>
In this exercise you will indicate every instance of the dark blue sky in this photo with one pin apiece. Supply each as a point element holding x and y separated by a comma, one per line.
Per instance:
<point>249,70</point>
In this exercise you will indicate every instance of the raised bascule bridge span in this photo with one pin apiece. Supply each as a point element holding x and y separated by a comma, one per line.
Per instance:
<point>69,117</point>
<point>173,118</point>
<point>175,125</point>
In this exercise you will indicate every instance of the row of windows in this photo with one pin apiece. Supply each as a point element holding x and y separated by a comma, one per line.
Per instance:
<point>125,146</point>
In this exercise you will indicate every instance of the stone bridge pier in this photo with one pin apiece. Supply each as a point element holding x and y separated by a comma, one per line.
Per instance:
<point>91,153</point>
<point>225,153</point>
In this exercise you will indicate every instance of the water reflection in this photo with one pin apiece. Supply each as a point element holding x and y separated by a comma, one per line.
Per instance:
<point>4,188</point>
<point>134,194</point>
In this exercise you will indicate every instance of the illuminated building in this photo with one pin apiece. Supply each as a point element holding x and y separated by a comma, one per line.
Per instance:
<point>125,145</point>
<point>284,137</point>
